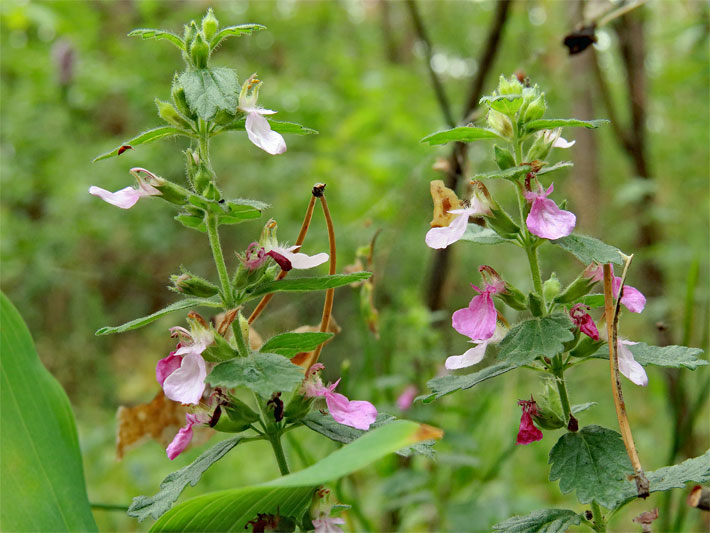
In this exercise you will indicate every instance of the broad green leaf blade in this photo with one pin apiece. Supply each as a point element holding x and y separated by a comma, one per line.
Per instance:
<point>210,89</point>
<point>145,138</point>
<point>41,474</point>
<point>159,35</point>
<point>536,337</point>
<point>542,521</point>
<point>328,427</point>
<point>588,249</point>
<point>508,104</point>
<point>276,125</point>
<point>289,344</point>
<point>551,123</point>
<point>234,31</point>
<point>290,495</point>
<point>696,470</point>
<point>511,173</point>
<point>173,485</point>
<point>461,134</point>
<point>667,356</point>
<point>264,373</point>
<point>481,235</point>
<point>187,303</point>
<point>318,283</point>
<point>557,166</point>
<point>593,462</point>
<point>447,384</point>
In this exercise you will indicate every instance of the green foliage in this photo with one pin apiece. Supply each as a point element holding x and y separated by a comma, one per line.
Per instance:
<point>263,373</point>
<point>209,90</point>
<point>588,249</point>
<point>667,356</point>
<point>42,478</point>
<point>535,337</point>
<point>551,123</point>
<point>276,125</point>
<point>180,305</point>
<point>289,344</point>
<point>318,283</point>
<point>144,33</point>
<point>161,132</point>
<point>290,495</point>
<point>173,485</point>
<point>461,134</point>
<point>542,521</point>
<point>447,384</point>
<point>593,462</point>
<point>234,31</point>
<point>480,235</point>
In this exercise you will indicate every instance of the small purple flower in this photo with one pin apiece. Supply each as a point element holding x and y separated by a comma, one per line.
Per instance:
<point>258,128</point>
<point>405,400</point>
<point>478,320</point>
<point>528,432</point>
<point>584,321</point>
<point>545,219</point>
<point>631,298</point>
<point>254,256</point>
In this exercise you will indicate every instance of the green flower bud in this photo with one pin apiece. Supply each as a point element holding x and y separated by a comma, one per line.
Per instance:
<point>187,283</point>
<point>189,34</point>
<point>504,159</point>
<point>210,25</point>
<point>513,297</point>
<point>180,101</point>
<point>536,109</point>
<point>500,222</point>
<point>297,408</point>
<point>235,417</point>
<point>509,86</point>
<point>169,114</point>
<point>535,304</point>
<point>202,179</point>
<point>575,290</point>
<point>199,51</point>
<point>586,347</point>
<point>549,409</point>
<point>500,123</point>
<point>540,148</point>
<point>551,287</point>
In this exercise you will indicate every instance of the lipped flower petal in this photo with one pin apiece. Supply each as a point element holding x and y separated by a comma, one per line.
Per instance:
<point>528,432</point>
<point>183,437</point>
<point>300,260</point>
<point>125,198</point>
<point>260,133</point>
<point>405,400</point>
<point>478,320</point>
<point>584,321</point>
<point>470,357</point>
<point>167,366</point>
<point>561,142</point>
<point>328,525</point>
<point>628,365</point>
<point>356,413</point>
<point>546,219</point>
<point>631,297</point>
<point>187,383</point>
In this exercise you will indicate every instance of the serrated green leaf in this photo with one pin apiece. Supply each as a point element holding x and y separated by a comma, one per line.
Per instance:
<point>328,427</point>
<point>318,283</point>
<point>447,384</point>
<point>588,249</point>
<point>696,470</point>
<point>145,33</point>
<point>557,166</point>
<point>210,89</point>
<point>289,344</point>
<point>580,407</point>
<point>666,356</point>
<point>192,221</point>
<point>145,138</point>
<point>593,300</point>
<point>276,125</point>
<point>593,462</point>
<point>511,173</point>
<point>234,31</point>
<point>481,235</point>
<point>41,473</point>
<point>535,337</point>
<point>173,485</point>
<point>542,521</point>
<point>508,104</point>
<point>263,373</point>
<point>461,134</point>
<point>187,303</point>
<point>290,495</point>
<point>551,123</point>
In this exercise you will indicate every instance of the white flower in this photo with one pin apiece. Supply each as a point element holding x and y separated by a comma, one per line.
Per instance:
<point>258,128</point>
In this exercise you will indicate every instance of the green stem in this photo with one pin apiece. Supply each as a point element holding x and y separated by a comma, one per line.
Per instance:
<point>213,233</point>
<point>599,524</point>
<point>275,440</point>
<point>241,343</point>
<point>535,270</point>
<point>204,142</point>
<point>564,399</point>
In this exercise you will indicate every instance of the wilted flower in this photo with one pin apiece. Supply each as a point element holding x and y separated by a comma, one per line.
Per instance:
<point>584,321</point>
<point>258,128</point>
<point>442,237</point>
<point>631,297</point>
<point>184,436</point>
<point>182,373</point>
<point>478,320</point>
<point>528,432</point>
<point>545,219</point>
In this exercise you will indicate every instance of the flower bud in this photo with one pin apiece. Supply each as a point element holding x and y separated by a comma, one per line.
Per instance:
<point>536,109</point>
<point>189,34</point>
<point>500,222</point>
<point>540,148</point>
<point>210,25</point>
<point>169,191</point>
<point>549,409</point>
<point>513,297</point>
<point>504,159</point>
<point>535,304</point>
<point>180,101</point>
<point>575,290</point>
<point>236,416</point>
<point>500,123</point>
<point>297,408</point>
<point>170,115</point>
<point>202,179</point>
<point>509,86</point>
<point>199,51</point>
<point>551,287</point>
<point>586,347</point>
<point>187,283</point>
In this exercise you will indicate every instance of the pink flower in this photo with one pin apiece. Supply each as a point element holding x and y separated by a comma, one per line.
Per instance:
<point>528,432</point>
<point>129,196</point>
<point>545,219</point>
<point>584,321</point>
<point>254,256</point>
<point>478,320</point>
<point>631,298</point>
<point>628,365</point>
<point>258,128</point>
<point>476,354</point>
<point>442,237</point>
<point>184,436</point>
<point>404,400</point>
<point>357,414</point>
<point>328,525</point>
<point>182,373</point>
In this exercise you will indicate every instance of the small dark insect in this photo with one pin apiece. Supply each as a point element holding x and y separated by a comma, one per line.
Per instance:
<point>579,40</point>
<point>123,148</point>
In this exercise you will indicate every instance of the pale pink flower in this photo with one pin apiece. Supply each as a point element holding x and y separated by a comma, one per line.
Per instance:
<point>442,237</point>
<point>125,198</point>
<point>631,298</point>
<point>184,436</point>
<point>258,128</point>
<point>557,141</point>
<point>545,219</point>
<point>328,524</point>
<point>405,400</point>
<point>528,432</point>
<point>289,258</point>
<point>478,320</point>
<point>476,354</point>
<point>182,373</point>
<point>584,321</point>
<point>628,365</point>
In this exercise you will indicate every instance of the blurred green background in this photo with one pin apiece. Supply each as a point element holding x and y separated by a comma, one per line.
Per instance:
<point>74,86</point>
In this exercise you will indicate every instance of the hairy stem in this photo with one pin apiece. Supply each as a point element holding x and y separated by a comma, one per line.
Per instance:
<point>564,398</point>
<point>218,256</point>
<point>531,250</point>
<point>275,440</point>
<point>599,524</point>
